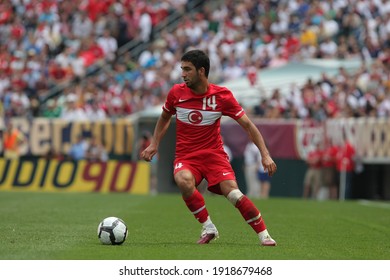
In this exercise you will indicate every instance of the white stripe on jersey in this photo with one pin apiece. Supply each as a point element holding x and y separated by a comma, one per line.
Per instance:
<point>165,107</point>
<point>239,112</point>
<point>208,117</point>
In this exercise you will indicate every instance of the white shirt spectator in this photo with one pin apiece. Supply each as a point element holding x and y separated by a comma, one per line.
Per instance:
<point>21,99</point>
<point>251,154</point>
<point>145,25</point>
<point>328,48</point>
<point>65,58</point>
<point>82,26</point>
<point>94,112</point>
<point>108,44</point>
<point>252,162</point>
<point>232,71</point>
<point>4,83</point>
<point>71,112</point>
<point>279,27</point>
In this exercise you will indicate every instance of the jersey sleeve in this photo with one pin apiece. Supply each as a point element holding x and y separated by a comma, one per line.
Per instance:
<point>231,107</point>
<point>169,105</point>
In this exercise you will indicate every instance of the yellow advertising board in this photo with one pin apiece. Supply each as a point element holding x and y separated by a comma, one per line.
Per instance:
<point>74,176</point>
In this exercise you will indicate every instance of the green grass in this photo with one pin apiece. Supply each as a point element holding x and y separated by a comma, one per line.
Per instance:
<point>52,226</point>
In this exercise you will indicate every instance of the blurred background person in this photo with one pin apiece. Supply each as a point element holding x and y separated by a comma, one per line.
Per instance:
<point>96,151</point>
<point>329,175</point>
<point>14,139</point>
<point>265,181</point>
<point>51,110</point>
<point>78,149</point>
<point>345,166</point>
<point>252,161</point>
<point>313,177</point>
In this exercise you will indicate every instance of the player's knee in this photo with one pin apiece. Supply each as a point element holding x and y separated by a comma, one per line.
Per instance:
<point>234,196</point>
<point>185,181</point>
<point>184,177</point>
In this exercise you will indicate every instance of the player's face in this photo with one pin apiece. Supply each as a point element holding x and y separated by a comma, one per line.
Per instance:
<point>189,74</point>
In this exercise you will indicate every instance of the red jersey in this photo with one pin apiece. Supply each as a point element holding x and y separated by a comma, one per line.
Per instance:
<point>344,158</point>
<point>329,156</point>
<point>314,158</point>
<point>198,117</point>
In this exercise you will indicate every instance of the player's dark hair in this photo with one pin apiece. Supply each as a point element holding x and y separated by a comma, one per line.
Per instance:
<point>199,59</point>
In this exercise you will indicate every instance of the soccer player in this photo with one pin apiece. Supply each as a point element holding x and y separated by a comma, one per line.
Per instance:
<point>199,106</point>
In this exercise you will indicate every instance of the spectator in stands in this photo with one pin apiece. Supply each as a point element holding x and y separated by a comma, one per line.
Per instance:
<point>52,30</point>
<point>66,60</point>
<point>108,44</point>
<point>93,111</point>
<point>328,48</point>
<point>145,26</point>
<point>90,53</point>
<point>58,74</point>
<point>82,26</point>
<point>19,103</point>
<point>52,110</point>
<point>72,111</point>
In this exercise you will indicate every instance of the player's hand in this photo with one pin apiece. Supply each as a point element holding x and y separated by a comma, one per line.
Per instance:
<point>149,152</point>
<point>269,165</point>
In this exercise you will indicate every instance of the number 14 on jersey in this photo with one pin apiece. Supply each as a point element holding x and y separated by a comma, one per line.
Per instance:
<point>209,102</point>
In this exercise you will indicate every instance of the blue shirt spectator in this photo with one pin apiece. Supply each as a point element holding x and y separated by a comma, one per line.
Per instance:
<point>78,149</point>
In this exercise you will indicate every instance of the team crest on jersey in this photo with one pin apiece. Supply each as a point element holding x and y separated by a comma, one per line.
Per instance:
<point>195,117</point>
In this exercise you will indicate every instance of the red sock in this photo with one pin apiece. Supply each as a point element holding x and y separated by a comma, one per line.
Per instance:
<point>197,206</point>
<point>251,214</point>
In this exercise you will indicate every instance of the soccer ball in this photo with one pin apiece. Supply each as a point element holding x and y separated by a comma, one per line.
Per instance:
<point>112,231</point>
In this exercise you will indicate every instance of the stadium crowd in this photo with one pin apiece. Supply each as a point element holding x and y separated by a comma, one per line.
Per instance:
<point>46,43</point>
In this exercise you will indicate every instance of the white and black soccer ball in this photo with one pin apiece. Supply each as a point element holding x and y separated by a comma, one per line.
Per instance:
<point>112,231</point>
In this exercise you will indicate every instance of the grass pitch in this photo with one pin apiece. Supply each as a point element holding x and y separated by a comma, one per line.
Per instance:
<point>53,226</point>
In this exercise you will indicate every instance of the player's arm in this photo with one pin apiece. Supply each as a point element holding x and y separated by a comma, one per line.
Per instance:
<point>256,137</point>
<point>159,131</point>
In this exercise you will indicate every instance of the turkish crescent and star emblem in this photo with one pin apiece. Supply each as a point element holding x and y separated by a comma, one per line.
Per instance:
<point>195,117</point>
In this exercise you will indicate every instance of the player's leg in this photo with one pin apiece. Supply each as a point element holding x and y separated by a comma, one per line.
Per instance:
<point>248,211</point>
<point>195,202</point>
<point>222,180</point>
